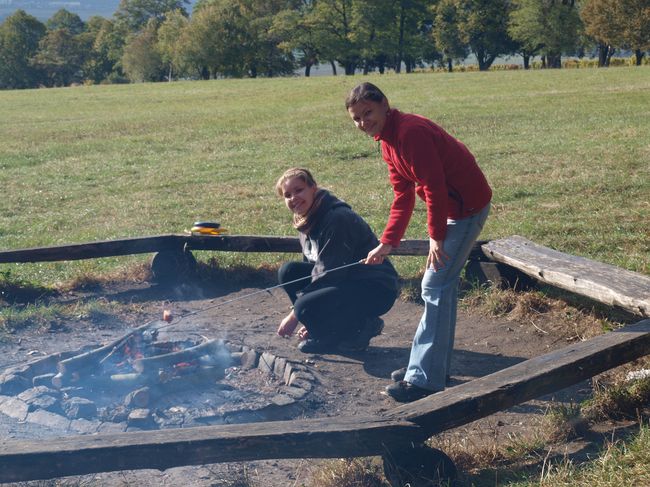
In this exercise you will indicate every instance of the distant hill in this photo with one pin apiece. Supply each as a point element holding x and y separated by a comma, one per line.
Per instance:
<point>43,9</point>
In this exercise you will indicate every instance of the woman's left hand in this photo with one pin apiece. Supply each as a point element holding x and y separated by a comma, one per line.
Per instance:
<point>437,255</point>
<point>378,254</point>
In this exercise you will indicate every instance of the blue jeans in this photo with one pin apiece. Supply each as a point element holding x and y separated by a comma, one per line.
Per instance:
<point>433,343</point>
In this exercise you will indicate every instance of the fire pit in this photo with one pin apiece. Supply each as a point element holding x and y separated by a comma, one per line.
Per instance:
<point>141,382</point>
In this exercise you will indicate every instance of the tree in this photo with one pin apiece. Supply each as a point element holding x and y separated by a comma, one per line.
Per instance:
<point>215,39</point>
<point>20,34</point>
<point>484,26</point>
<point>294,28</point>
<point>236,38</point>
<point>447,34</point>
<point>60,57</point>
<point>636,33</point>
<point>62,19</point>
<point>334,22</point>
<point>411,16</point>
<point>551,27</point>
<point>374,30</point>
<point>140,60</point>
<point>620,23</point>
<point>105,61</point>
<point>262,52</point>
<point>169,47</point>
<point>135,14</point>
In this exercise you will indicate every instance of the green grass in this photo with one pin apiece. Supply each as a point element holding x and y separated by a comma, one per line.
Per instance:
<point>566,152</point>
<point>620,464</point>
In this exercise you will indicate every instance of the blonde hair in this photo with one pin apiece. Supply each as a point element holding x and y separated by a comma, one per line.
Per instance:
<point>294,172</point>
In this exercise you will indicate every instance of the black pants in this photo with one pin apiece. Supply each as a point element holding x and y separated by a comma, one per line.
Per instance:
<point>336,312</point>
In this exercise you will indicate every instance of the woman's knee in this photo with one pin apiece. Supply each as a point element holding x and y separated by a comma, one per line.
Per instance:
<point>290,271</point>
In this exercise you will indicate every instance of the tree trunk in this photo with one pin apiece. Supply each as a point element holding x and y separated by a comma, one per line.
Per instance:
<point>526,61</point>
<point>604,55</point>
<point>638,53</point>
<point>333,67</point>
<point>450,66</point>
<point>485,61</point>
<point>381,63</point>
<point>554,60</point>
<point>350,68</point>
<point>308,69</point>
<point>400,45</point>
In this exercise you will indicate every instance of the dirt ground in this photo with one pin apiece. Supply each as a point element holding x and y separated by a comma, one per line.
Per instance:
<point>347,384</point>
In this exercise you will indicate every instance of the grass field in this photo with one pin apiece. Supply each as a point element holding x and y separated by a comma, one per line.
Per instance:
<point>566,151</point>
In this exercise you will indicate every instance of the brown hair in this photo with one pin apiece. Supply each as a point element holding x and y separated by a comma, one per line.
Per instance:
<point>365,91</point>
<point>295,172</point>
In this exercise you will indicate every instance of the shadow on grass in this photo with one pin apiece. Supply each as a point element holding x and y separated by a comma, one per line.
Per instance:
<point>14,292</point>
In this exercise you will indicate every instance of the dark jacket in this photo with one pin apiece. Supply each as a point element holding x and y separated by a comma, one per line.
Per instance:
<point>338,237</point>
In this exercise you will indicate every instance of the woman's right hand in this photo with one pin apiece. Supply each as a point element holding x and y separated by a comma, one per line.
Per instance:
<point>377,255</point>
<point>288,325</point>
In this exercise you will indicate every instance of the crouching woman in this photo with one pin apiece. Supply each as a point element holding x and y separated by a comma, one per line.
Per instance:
<point>336,302</point>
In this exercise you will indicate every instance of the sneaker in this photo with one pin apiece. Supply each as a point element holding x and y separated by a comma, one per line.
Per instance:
<point>372,327</point>
<point>403,391</point>
<point>313,345</point>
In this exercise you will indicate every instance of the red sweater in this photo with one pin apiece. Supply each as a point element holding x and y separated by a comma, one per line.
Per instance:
<point>422,158</point>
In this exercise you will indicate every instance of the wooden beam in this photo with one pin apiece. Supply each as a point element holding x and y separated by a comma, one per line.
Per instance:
<point>324,438</point>
<point>93,250</point>
<point>159,243</point>
<point>602,282</point>
<point>22,460</point>
<point>251,243</point>
<point>527,380</point>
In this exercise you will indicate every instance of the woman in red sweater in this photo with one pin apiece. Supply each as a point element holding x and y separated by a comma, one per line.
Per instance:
<point>425,160</point>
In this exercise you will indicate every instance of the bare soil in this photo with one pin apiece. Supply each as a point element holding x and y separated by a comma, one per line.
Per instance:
<point>347,384</point>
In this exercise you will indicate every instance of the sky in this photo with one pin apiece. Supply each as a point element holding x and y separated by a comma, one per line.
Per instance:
<point>43,9</point>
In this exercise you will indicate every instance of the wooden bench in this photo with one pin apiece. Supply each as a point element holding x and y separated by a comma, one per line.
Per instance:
<point>602,282</point>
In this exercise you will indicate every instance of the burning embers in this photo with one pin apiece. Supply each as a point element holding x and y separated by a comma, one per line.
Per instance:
<point>139,381</point>
<point>138,359</point>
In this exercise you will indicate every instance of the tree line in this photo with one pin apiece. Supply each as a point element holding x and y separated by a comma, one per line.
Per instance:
<point>156,40</point>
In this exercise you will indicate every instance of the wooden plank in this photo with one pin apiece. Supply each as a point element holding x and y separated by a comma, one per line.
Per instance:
<point>321,438</point>
<point>93,250</point>
<point>159,243</point>
<point>250,243</point>
<point>326,437</point>
<point>527,380</point>
<point>244,243</point>
<point>602,282</point>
